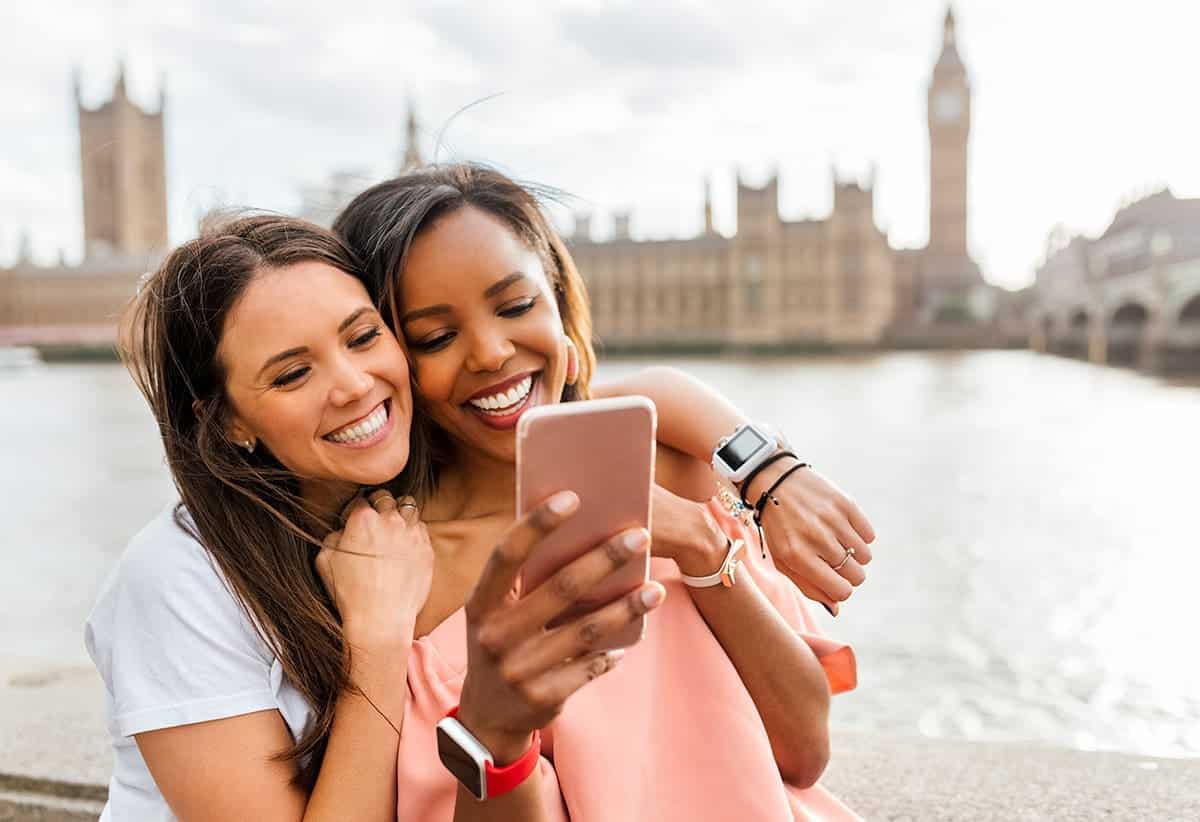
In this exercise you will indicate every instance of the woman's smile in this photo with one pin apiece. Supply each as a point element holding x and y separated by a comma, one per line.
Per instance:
<point>501,405</point>
<point>366,431</point>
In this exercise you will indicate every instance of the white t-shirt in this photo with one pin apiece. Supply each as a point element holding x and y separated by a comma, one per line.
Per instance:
<point>174,647</point>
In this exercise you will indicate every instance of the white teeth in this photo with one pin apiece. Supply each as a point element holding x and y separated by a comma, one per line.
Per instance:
<point>507,399</point>
<point>361,430</point>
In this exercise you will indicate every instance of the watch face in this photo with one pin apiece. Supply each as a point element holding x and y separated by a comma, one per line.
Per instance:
<point>745,444</point>
<point>464,767</point>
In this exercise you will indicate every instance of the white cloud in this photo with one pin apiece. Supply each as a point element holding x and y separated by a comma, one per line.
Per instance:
<point>625,105</point>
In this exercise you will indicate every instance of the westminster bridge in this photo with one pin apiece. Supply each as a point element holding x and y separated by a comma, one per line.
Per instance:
<point>1130,297</point>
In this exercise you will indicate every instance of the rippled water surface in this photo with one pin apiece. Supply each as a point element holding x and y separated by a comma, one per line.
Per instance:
<point>1037,573</point>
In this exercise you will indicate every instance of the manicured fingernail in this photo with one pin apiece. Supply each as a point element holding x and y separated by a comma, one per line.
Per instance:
<point>614,656</point>
<point>633,541</point>
<point>562,502</point>
<point>653,595</point>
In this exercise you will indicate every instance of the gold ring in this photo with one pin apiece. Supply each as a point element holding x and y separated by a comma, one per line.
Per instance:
<point>845,559</point>
<point>382,500</point>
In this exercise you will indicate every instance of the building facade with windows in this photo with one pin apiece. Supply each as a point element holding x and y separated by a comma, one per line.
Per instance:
<point>808,283</point>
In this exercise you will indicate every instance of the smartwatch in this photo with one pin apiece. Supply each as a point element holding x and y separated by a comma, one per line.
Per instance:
<point>744,450</point>
<point>472,764</point>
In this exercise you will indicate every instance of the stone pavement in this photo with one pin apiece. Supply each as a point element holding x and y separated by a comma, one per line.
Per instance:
<point>931,780</point>
<point>54,754</point>
<point>55,760</point>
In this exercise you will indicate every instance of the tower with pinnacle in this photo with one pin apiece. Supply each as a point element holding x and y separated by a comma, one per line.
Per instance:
<point>123,175</point>
<point>940,283</point>
<point>412,142</point>
<point>949,118</point>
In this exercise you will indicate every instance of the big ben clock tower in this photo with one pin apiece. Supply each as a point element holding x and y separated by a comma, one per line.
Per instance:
<point>945,283</point>
<point>949,127</point>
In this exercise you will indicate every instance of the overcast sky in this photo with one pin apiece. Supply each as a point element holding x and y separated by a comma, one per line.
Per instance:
<point>622,104</point>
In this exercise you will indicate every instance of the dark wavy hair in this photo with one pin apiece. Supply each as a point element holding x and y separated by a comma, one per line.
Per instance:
<point>381,224</point>
<point>246,507</point>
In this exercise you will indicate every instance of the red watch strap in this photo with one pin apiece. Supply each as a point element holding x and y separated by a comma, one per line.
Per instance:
<point>502,780</point>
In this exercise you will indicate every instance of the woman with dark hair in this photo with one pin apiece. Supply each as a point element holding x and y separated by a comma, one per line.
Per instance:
<point>254,658</point>
<point>721,711</point>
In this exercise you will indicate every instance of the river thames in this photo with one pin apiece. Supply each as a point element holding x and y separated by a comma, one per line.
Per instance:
<point>1036,565</point>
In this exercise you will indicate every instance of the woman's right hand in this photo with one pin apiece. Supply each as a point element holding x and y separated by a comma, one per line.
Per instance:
<point>378,568</point>
<point>520,671</point>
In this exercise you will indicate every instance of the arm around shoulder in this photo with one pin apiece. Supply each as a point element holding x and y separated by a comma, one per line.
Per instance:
<point>692,416</point>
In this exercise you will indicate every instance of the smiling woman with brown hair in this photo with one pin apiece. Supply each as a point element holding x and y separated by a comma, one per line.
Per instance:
<point>254,658</point>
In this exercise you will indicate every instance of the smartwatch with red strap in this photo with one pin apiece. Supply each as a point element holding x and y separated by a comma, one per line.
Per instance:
<point>472,763</point>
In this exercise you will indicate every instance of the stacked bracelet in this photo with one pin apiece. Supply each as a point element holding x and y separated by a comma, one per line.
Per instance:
<point>768,495</point>
<point>771,460</point>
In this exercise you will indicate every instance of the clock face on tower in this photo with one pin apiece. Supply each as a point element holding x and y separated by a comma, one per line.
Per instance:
<point>947,106</point>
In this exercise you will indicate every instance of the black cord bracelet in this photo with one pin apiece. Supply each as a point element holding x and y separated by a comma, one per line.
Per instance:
<point>769,496</point>
<point>771,460</point>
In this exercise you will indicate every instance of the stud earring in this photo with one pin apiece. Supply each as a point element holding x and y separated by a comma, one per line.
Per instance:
<point>248,445</point>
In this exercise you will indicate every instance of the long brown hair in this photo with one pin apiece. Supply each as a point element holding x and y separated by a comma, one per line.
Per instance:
<point>381,224</point>
<point>246,507</point>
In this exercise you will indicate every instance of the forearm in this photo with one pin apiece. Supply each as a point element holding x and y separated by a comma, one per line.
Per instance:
<point>692,417</point>
<point>779,670</point>
<point>358,774</point>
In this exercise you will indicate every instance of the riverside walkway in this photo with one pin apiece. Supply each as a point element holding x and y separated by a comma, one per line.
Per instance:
<point>55,761</point>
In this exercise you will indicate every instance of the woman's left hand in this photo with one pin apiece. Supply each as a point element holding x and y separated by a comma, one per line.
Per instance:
<point>810,530</point>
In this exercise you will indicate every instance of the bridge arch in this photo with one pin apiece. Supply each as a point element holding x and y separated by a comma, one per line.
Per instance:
<point>1189,315</point>
<point>1074,342</point>
<point>1127,333</point>
<point>1181,349</point>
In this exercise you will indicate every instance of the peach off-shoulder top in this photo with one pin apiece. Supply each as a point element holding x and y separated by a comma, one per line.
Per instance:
<point>670,734</point>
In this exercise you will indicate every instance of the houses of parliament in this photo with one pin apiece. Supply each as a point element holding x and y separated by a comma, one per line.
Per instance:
<point>775,283</point>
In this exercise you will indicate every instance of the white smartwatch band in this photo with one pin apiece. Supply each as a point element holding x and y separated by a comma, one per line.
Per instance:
<point>726,575</point>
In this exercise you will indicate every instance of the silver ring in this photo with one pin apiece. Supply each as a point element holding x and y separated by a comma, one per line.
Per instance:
<point>845,559</point>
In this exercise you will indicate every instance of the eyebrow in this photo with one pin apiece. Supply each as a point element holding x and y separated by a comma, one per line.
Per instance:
<point>491,291</point>
<point>295,352</point>
<point>496,288</point>
<point>354,315</point>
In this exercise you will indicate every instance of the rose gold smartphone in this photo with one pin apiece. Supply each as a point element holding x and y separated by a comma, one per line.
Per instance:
<point>603,450</point>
